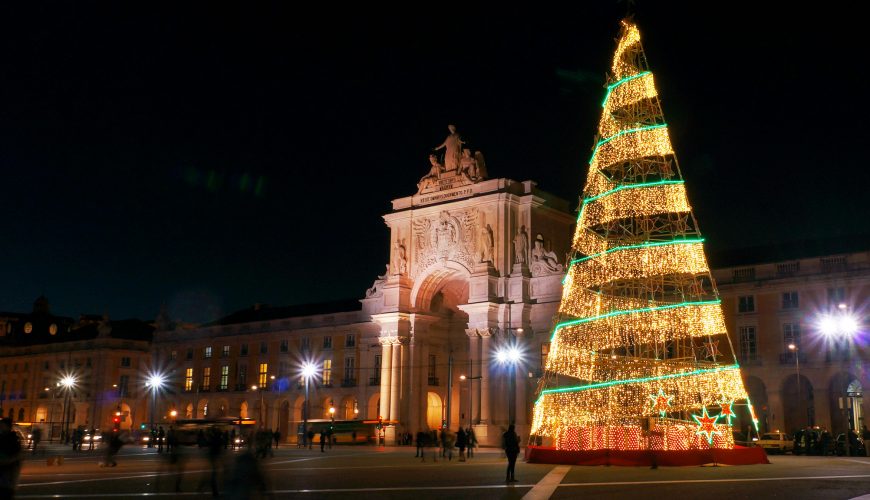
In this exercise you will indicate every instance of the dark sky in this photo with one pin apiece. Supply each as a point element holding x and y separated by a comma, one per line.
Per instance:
<point>211,157</point>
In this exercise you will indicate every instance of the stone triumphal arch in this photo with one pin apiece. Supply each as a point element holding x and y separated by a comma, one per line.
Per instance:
<point>475,264</point>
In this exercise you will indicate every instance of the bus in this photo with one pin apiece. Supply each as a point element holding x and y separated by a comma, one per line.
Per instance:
<point>343,431</point>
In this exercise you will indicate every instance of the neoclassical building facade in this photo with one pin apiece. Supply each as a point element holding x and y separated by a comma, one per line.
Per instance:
<point>475,265</point>
<point>770,306</point>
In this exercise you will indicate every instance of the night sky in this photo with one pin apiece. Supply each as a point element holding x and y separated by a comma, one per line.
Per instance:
<point>210,158</point>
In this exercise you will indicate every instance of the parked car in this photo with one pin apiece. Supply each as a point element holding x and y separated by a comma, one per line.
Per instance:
<point>776,442</point>
<point>840,445</point>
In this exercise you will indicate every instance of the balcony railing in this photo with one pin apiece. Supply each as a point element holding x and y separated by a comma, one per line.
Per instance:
<point>433,381</point>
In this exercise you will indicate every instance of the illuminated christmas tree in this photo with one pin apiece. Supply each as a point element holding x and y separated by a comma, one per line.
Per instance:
<point>640,357</point>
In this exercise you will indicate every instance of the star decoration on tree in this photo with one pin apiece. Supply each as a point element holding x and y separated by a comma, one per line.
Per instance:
<point>661,402</point>
<point>707,425</point>
<point>727,410</point>
<point>711,349</point>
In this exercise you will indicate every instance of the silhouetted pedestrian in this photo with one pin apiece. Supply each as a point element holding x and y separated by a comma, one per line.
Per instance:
<point>461,443</point>
<point>511,443</point>
<point>323,438</point>
<point>161,437</point>
<point>277,436</point>
<point>10,459</point>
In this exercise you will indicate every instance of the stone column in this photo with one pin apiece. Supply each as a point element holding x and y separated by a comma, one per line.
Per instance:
<point>386,371</point>
<point>474,384</point>
<point>395,379</point>
<point>405,390</point>
<point>485,336</point>
<point>521,378</point>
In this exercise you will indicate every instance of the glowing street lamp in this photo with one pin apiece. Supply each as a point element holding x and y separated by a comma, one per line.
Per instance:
<point>510,355</point>
<point>155,382</point>
<point>842,324</point>
<point>308,371</point>
<point>797,369</point>
<point>68,382</point>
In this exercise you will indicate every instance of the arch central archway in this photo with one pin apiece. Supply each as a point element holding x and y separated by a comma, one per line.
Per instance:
<point>434,279</point>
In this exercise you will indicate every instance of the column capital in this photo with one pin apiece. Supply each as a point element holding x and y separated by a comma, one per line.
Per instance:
<point>486,333</point>
<point>393,340</point>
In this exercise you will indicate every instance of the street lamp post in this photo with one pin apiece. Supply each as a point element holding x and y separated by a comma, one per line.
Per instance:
<point>470,393</point>
<point>67,382</point>
<point>510,355</point>
<point>308,371</point>
<point>155,383</point>
<point>797,368</point>
<point>260,390</point>
<point>331,423</point>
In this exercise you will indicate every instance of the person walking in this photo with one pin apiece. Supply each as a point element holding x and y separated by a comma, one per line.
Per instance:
<point>472,441</point>
<point>277,436</point>
<point>420,438</point>
<point>461,443</point>
<point>10,459</point>
<point>511,443</point>
<point>323,438</point>
<point>310,438</point>
<point>161,436</point>
<point>35,438</point>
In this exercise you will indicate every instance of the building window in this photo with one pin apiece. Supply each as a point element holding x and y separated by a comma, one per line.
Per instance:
<point>433,377</point>
<point>125,362</point>
<point>285,345</point>
<point>350,340</point>
<point>376,376</point>
<point>123,384</point>
<point>327,372</point>
<point>225,377</point>
<point>306,344</point>
<point>327,342</point>
<point>206,378</point>
<point>45,365</point>
<point>262,376</point>
<point>225,351</point>
<point>264,348</point>
<point>173,355</point>
<point>244,350</point>
<point>189,354</point>
<point>791,334</point>
<point>243,377</point>
<point>188,380</point>
<point>206,352</point>
<point>746,304</point>
<point>790,300</point>
<point>748,343</point>
<point>836,296</point>
<point>349,371</point>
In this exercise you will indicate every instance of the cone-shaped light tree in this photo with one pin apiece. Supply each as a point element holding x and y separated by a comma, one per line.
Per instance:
<point>640,357</point>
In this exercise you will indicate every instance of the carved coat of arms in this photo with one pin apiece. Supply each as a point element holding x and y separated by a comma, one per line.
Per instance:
<point>447,237</point>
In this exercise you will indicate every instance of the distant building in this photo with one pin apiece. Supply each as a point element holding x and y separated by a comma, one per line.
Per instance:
<point>810,304</point>
<point>105,359</point>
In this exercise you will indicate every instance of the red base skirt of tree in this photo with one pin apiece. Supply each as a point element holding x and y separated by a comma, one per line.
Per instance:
<point>642,458</point>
